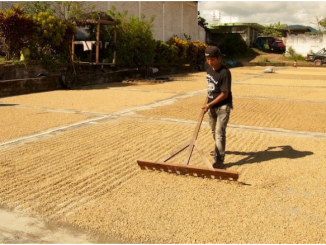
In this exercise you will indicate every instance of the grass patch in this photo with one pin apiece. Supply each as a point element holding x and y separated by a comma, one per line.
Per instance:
<point>295,57</point>
<point>15,62</point>
<point>252,52</point>
<point>264,60</point>
<point>292,55</point>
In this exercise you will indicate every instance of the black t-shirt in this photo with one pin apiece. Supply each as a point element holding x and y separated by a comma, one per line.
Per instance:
<point>218,81</point>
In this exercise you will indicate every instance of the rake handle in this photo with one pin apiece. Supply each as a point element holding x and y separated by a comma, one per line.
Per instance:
<point>195,135</point>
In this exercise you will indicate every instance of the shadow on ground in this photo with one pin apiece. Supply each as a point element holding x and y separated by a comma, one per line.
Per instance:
<point>124,84</point>
<point>271,153</point>
<point>2,105</point>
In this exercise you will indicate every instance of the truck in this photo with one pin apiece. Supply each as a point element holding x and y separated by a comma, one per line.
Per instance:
<point>278,46</point>
<point>318,58</point>
<point>274,44</point>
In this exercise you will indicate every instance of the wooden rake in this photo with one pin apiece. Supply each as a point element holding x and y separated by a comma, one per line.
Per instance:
<point>184,168</point>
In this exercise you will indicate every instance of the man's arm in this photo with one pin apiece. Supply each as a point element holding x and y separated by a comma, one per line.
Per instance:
<point>221,97</point>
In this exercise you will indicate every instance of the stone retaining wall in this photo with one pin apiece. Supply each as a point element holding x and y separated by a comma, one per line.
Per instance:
<point>48,83</point>
<point>61,80</point>
<point>29,85</point>
<point>260,64</point>
<point>11,72</point>
<point>290,63</point>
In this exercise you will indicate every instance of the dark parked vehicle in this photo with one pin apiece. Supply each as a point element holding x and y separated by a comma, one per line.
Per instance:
<point>278,46</point>
<point>274,45</point>
<point>318,58</point>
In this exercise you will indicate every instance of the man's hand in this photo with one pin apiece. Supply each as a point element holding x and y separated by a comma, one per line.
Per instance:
<point>205,108</point>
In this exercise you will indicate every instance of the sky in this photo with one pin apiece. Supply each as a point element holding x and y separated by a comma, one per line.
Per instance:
<point>264,12</point>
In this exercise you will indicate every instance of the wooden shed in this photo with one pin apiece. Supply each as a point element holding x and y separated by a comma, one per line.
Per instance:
<point>103,19</point>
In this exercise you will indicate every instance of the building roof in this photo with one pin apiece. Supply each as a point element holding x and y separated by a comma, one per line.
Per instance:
<point>299,28</point>
<point>217,26</point>
<point>94,18</point>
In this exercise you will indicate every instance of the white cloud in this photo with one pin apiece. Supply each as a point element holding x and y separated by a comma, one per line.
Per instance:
<point>264,12</point>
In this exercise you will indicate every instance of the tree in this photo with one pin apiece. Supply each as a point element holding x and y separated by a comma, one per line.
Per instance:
<point>279,26</point>
<point>323,23</point>
<point>201,21</point>
<point>16,30</point>
<point>35,7</point>
<point>319,22</point>
<point>68,9</point>
<point>273,29</point>
<point>135,42</point>
<point>54,27</point>
<point>50,32</point>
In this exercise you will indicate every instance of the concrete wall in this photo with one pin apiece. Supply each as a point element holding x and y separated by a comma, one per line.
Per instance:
<point>10,72</point>
<point>190,21</point>
<point>30,85</point>
<point>303,44</point>
<point>171,17</point>
<point>249,35</point>
<point>172,20</point>
<point>6,4</point>
<point>121,6</point>
<point>201,34</point>
<point>148,9</point>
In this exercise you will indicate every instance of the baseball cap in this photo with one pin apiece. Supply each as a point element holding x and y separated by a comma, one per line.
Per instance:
<point>212,51</point>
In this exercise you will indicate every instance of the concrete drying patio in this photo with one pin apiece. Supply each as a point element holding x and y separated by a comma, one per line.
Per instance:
<point>69,173</point>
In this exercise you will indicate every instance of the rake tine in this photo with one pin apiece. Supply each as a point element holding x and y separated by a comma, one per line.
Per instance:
<point>189,170</point>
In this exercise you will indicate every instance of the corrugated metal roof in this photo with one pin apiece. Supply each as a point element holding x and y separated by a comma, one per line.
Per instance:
<point>252,25</point>
<point>261,27</point>
<point>299,28</point>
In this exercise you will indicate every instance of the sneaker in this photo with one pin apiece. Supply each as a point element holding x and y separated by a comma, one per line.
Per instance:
<point>218,165</point>
<point>219,160</point>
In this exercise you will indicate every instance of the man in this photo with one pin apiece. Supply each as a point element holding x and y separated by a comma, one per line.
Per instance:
<point>219,100</point>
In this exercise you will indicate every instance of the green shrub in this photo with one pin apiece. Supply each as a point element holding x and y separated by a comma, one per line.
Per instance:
<point>52,42</point>
<point>296,57</point>
<point>177,51</point>
<point>183,46</point>
<point>16,31</point>
<point>2,60</point>
<point>33,7</point>
<point>199,55</point>
<point>231,45</point>
<point>135,44</point>
<point>290,51</point>
<point>292,55</point>
<point>50,31</point>
<point>165,53</point>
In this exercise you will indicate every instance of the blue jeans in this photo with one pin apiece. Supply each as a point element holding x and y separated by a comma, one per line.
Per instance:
<point>218,120</point>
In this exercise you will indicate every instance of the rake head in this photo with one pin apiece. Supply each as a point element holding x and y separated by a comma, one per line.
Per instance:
<point>189,170</point>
